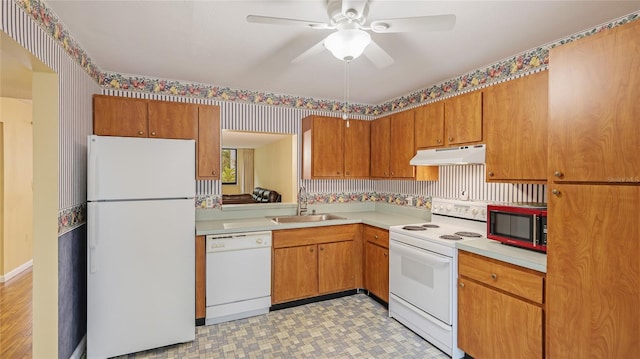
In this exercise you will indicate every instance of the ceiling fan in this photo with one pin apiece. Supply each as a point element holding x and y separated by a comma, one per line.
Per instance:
<point>351,39</point>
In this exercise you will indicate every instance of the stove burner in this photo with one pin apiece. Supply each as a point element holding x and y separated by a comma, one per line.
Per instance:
<point>450,237</point>
<point>429,225</point>
<point>414,228</point>
<point>468,234</point>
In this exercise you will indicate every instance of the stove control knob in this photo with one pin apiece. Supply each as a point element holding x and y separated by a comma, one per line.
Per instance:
<point>448,207</point>
<point>474,211</point>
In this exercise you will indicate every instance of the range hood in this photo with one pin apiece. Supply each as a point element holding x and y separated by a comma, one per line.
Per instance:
<point>462,155</point>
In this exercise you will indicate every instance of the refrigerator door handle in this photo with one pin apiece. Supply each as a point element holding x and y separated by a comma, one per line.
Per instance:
<point>93,239</point>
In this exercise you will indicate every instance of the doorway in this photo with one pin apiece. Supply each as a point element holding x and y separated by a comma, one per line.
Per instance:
<point>40,83</point>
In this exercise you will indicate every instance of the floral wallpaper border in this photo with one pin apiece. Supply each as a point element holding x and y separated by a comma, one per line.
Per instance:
<point>528,61</point>
<point>70,218</point>
<point>215,202</point>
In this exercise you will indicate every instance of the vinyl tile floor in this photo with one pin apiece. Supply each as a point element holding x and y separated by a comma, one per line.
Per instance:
<point>355,326</point>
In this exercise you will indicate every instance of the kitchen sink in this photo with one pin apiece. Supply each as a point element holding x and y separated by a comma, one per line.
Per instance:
<point>305,218</point>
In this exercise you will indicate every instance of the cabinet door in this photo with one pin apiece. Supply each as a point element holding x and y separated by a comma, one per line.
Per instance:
<point>402,146</point>
<point>380,143</point>
<point>119,116</point>
<point>201,278</point>
<point>429,125</point>
<point>173,120</point>
<point>357,145</point>
<point>495,325</point>
<point>335,267</point>
<point>376,270</point>
<point>594,87</point>
<point>515,116</point>
<point>463,118</point>
<point>208,142</point>
<point>323,144</point>
<point>295,273</point>
<point>593,272</point>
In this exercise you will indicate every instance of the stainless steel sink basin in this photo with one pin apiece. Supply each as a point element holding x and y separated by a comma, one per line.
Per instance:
<point>305,218</point>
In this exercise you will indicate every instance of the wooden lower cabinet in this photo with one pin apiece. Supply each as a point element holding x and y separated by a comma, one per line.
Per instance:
<point>295,273</point>
<point>201,280</point>
<point>500,309</point>
<point>308,262</point>
<point>376,261</point>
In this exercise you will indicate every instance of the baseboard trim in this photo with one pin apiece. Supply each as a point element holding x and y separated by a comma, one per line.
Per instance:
<point>21,268</point>
<point>80,349</point>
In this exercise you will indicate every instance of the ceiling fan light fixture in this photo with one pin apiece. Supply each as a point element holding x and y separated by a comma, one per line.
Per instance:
<point>347,44</point>
<point>380,26</point>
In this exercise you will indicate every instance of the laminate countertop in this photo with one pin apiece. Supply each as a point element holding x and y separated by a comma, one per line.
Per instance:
<point>518,256</point>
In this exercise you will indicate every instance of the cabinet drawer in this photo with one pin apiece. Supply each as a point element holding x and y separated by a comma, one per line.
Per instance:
<point>518,281</point>
<point>377,236</point>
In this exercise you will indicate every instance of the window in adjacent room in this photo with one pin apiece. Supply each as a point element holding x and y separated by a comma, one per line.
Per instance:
<point>229,161</point>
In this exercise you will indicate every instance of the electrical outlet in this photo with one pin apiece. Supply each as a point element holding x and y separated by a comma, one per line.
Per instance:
<point>209,202</point>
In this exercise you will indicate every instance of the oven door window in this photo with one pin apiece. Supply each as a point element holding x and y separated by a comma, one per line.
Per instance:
<point>422,278</point>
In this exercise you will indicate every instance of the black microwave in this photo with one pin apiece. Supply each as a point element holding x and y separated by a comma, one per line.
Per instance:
<point>521,225</point>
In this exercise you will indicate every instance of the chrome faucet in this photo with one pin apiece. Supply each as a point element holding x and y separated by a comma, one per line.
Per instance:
<point>303,200</point>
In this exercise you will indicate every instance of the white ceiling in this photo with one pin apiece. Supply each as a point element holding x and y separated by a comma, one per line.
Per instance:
<point>211,42</point>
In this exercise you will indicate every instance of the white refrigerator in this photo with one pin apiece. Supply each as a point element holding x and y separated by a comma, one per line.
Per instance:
<point>140,255</point>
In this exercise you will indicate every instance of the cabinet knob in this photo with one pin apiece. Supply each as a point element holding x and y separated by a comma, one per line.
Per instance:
<point>491,174</point>
<point>555,192</point>
<point>461,285</point>
<point>338,172</point>
<point>140,133</point>
<point>153,133</point>
<point>213,172</point>
<point>311,250</point>
<point>322,248</point>
<point>494,276</point>
<point>393,173</point>
<point>385,173</point>
<point>450,139</point>
<point>557,174</point>
<point>376,236</point>
<point>438,141</point>
<point>386,254</point>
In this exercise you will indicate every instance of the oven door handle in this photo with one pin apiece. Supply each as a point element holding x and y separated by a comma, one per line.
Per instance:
<point>423,254</point>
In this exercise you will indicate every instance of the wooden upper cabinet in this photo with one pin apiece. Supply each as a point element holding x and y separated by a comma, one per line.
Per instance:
<point>429,123</point>
<point>380,147</point>
<point>515,117</point>
<point>208,165</point>
<point>594,92</point>
<point>323,144</point>
<point>402,148</point>
<point>119,116</point>
<point>357,145</point>
<point>463,119</point>
<point>173,120</point>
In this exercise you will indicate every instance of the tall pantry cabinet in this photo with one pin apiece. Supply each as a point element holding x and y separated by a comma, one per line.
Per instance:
<point>593,262</point>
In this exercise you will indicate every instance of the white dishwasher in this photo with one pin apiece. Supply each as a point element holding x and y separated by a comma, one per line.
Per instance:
<point>238,276</point>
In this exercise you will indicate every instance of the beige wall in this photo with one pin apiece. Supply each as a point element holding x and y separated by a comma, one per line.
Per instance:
<point>275,166</point>
<point>45,215</point>
<point>16,237</point>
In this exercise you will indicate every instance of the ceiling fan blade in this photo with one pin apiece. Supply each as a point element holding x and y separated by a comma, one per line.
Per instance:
<point>409,24</point>
<point>377,55</point>
<point>354,9</point>
<point>312,51</point>
<point>290,22</point>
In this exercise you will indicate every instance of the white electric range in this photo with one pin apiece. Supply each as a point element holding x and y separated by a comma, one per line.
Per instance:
<point>423,270</point>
